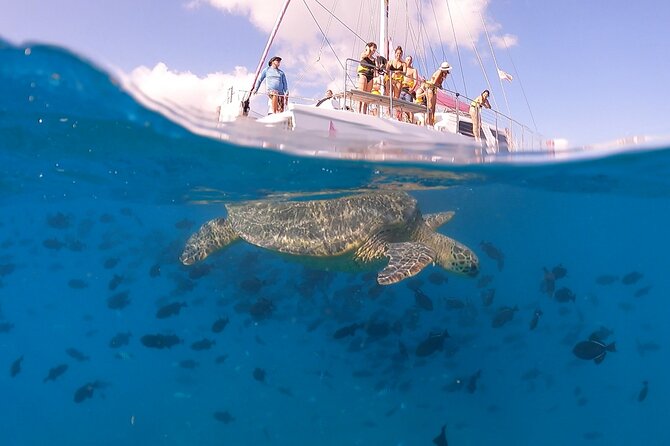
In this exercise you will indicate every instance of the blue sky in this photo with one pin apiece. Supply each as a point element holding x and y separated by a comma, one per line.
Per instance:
<point>593,70</point>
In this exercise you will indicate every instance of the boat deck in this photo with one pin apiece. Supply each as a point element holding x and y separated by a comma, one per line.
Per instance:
<point>381,100</point>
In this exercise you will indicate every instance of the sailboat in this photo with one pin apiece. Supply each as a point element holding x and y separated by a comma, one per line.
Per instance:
<point>340,126</point>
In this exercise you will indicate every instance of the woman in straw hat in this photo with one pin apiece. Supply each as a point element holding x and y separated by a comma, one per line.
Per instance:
<point>431,87</point>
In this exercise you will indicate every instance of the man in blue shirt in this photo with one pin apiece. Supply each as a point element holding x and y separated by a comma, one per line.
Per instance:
<point>275,83</point>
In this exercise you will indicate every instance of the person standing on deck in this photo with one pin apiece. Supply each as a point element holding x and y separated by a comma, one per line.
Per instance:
<point>475,113</point>
<point>432,86</point>
<point>366,73</point>
<point>275,83</point>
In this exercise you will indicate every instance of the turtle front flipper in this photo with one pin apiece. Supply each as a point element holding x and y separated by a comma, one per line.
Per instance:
<point>405,260</point>
<point>450,254</point>
<point>212,236</point>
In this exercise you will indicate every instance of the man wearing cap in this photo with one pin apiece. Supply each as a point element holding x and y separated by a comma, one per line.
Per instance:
<point>275,83</point>
<point>431,87</point>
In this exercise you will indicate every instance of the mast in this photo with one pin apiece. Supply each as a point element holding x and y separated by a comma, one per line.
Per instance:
<point>273,33</point>
<point>384,28</point>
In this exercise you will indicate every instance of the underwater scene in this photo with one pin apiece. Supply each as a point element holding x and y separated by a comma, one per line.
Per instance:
<point>163,288</point>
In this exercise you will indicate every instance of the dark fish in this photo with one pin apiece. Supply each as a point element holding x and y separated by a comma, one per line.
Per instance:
<point>422,300</point>
<point>536,318</point>
<point>259,374</point>
<point>188,364</point>
<point>106,218</point>
<point>488,296</point>
<point>349,330</point>
<point>155,270</point>
<point>592,436</point>
<point>15,369</point>
<point>559,271</point>
<point>6,327</point>
<point>77,284</point>
<point>6,269</point>
<point>119,340</point>
<point>55,372</point>
<point>601,334</point>
<point>111,262</point>
<point>642,291</point>
<point>114,282</point>
<point>220,359</point>
<point>454,303</point>
<point>494,253</point>
<point>431,344</point>
<point>59,220</point>
<point>285,391</point>
<point>548,284</point>
<point>76,354</point>
<point>437,278</point>
<point>472,381</point>
<point>606,279</point>
<point>582,401</point>
<point>631,278</point>
<point>503,316</point>
<point>53,243</point>
<point>593,350</point>
<point>160,341</point>
<point>262,308</point>
<point>76,245</point>
<point>199,271</point>
<point>86,391</point>
<point>441,439</point>
<point>643,392</point>
<point>169,310</point>
<point>224,417</point>
<point>203,344</point>
<point>378,330</point>
<point>484,281</point>
<point>219,325</point>
<point>645,347</point>
<point>119,300</point>
<point>251,285</point>
<point>531,374</point>
<point>564,294</point>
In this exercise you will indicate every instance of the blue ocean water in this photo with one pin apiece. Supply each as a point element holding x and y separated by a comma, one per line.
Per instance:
<point>99,196</point>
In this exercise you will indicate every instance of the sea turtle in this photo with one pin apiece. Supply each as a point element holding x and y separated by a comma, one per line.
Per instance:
<point>362,228</point>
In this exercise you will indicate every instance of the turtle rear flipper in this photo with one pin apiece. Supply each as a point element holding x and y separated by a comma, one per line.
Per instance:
<point>405,260</point>
<point>212,236</point>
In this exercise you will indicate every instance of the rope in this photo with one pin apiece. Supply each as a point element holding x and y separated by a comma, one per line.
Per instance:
<point>335,17</point>
<point>324,34</point>
<point>502,87</point>
<point>516,74</point>
<point>458,51</point>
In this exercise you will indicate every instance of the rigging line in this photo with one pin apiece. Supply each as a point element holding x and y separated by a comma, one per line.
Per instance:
<point>516,73</point>
<point>323,40</point>
<point>479,59</point>
<point>335,17</point>
<point>495,61</point>
<point>458,51</point>
<point>423,33</point>
<point>324,35</point>
<point>439,36</point>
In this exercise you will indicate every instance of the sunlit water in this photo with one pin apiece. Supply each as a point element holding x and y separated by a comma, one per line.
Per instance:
<point>99,196</point>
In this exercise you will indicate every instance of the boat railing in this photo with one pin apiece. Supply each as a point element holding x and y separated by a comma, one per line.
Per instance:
<point>502,132</point>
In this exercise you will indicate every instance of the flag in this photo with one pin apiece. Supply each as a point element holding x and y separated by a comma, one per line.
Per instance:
<point>504,76</point>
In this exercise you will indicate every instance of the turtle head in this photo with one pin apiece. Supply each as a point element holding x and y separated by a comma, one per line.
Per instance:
<point>463,260</point>
<point>191,254</point>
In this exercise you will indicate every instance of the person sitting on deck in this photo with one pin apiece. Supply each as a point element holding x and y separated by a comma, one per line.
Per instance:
<point>276,84</point>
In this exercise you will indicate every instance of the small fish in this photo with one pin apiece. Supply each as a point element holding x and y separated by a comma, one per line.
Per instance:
<point>106,218</point>
<point>646,347</point>
<point>220,359</point>
<point>6,327</point>
<point>349,330</point>
<point>472,381</point>
<point>15,369</point>
<point>203,344</point>
<point>188,364</point>
<point>114,283</point>
<point>119,300</point>
<point>606,279</point>
<point>86,391</point>
<point>433,343</point>
<point>53,243</point>
<point>536,318</point>
<point>454,303</point>
<point>601,334</point>
<point>592,435</point>
<point>643,391</point>
<point>155,270</point>
<point>55,372</point>
<point>6,269</point>
<point>422,300</point>
<point>631,278</point>
<point>59,220</point>
<point>487,296</point>
<point>484,281</point>
<point>111,262</point>
<point>169,310</point>
<point>259,374</point>
<point>441,439</point>
<point>160,341</point>
<point>437,278</point>
<point>548,284</point>
<point>593,350</point>
<point>559,271</point>
<point>76,354</point>
<point>224,417</point>
<point>564,295</point>
<point>642,291</point>
<point>219,325</point>
<point>262,309</point>
<point>503,316</point>
<point>494,253</point>
<point>119,340</point>
<point>199,271</point>
<point>77,284</point>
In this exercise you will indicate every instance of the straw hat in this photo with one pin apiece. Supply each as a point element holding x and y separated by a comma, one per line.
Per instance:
<point>445,67</point>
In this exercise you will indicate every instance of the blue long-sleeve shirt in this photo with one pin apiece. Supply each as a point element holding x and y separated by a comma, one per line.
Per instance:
<point>274,78</point>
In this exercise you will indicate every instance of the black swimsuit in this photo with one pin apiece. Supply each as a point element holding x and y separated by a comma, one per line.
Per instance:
<point>366,68</point>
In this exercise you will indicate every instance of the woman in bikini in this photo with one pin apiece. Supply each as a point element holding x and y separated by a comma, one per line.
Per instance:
<point>366,73</point>
<point>432,85</point>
